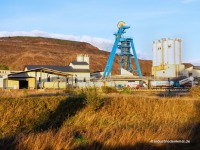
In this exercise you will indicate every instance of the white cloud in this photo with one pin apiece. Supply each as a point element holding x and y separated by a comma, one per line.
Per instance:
<point>101,43</point>
<point>143,55</point>
<point>188,1</point>
<point>195,62</point>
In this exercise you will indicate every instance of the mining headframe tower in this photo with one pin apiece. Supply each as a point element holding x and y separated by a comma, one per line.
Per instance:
<point>125,45</point>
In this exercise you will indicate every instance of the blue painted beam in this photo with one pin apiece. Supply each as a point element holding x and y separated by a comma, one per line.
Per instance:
<point>109,64</point>
<point>136,59</point>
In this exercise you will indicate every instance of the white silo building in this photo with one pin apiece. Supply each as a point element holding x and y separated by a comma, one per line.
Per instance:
<point>80,58</point>
<point>83,58</point>
<point>167,58</point>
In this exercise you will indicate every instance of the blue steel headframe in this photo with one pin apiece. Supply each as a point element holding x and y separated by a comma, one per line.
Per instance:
<point>109,64</point>
<point>125,55</point>
<point>136,59</point>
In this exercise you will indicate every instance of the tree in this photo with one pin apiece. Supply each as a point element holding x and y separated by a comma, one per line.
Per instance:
<point>4,67</point>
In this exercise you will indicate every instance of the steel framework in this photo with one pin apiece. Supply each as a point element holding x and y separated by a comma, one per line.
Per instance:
<point>125,45</point>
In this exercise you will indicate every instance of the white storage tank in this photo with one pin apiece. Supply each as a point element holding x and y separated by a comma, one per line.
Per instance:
<point>86,59</point>
<point>167,51</point>
<point>80,58</point>
<point>167,58</point>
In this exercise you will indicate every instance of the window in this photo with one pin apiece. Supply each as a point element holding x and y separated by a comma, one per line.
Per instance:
<point>48,79</point>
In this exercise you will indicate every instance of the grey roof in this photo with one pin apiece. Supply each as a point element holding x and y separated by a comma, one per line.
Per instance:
<point>58,68</point>
<point>19,75</point>
<point>24,74</point>
<point>187,65</point>
<point>79,63</point>
<point>97,71</point>
<point>196,67</point>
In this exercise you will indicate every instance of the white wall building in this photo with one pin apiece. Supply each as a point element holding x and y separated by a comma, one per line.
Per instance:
<point>192,71</point>
<point>3,74</point>
<point>6,72</point>
<point>167,58</point>
<point>79,68</point>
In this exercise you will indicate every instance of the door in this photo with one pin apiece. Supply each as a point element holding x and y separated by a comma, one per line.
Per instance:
<point>23,84</point>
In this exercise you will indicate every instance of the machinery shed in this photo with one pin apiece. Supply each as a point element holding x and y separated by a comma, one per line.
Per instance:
<point>32,79</point>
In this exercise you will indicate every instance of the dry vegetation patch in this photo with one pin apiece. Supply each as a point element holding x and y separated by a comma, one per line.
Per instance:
<point>195,92</point>
<point>121,122</point>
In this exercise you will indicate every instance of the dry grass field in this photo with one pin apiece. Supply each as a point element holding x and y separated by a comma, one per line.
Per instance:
<point>92,119</point>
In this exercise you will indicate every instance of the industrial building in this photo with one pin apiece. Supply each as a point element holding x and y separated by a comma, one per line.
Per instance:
<point>192,71</point>
<point>79,68</point>
<point>44,76</point>
<point>167,58</point>
<point>97,75</point>
<point>35,78</point>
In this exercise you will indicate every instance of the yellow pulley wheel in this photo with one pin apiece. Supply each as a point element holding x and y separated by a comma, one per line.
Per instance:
<point>120,24</point>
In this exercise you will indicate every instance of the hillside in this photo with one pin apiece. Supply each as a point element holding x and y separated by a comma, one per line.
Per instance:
<point>16,52</point>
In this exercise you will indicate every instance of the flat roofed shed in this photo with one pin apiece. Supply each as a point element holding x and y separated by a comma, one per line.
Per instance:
<point>57,68</point>
<point>28,78</point>
<point>47,70</point>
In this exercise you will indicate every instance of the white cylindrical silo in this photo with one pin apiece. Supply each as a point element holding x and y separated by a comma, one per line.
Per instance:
<point>177,51</point>
<point>159,53</point>
<point>165,52</point>
<point>167,58</point>
<point>86,59</point>
<point>154,53</point>
<point>171,53</point>
<point>80,58</point>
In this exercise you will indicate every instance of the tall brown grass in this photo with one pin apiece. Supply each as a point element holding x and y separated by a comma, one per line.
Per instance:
<point>123,122</point>
<point>195,92</point>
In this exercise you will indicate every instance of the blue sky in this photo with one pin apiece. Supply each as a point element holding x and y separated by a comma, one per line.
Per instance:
<point>95,21</point>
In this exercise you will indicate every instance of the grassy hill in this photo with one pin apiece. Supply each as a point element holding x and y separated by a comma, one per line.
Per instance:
<point>90,119</point>
<point>16,52</point>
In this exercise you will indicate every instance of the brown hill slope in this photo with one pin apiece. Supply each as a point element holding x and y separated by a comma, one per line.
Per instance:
<point>16,52</point>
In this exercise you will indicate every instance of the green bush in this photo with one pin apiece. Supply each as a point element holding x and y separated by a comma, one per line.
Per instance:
<point>92,97</point>
<point>4,67</point>
<point>126,90</point>
<point>108,89</point>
